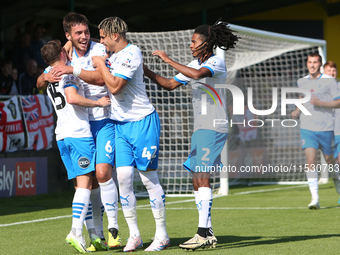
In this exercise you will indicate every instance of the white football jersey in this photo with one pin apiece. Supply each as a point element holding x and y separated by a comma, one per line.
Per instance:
<point>72,120</point>
<point>326,89</point>
<point>209,103</point>
<point>92,92</point>
<point>132,102</point>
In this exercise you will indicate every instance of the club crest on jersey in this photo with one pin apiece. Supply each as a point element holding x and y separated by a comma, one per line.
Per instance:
<point>213,62</point>
<point>83,162</point>
<point>126,63</point>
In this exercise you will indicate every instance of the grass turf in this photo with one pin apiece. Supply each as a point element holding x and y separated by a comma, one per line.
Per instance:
<point>251,220</point>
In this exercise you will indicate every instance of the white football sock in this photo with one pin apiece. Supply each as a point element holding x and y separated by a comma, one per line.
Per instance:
<point>127,198</point>
<point>97,211</point>
<point>314,188</point>
<point>197,200</point>
<point>157,201</point>
<point>204,206</point>
<point>109,196</point>
<point>80,203</point>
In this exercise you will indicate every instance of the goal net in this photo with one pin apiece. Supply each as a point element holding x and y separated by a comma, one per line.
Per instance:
<point>261,61</point>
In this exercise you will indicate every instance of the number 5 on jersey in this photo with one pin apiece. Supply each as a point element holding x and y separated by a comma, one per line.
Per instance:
<point>55,94</point>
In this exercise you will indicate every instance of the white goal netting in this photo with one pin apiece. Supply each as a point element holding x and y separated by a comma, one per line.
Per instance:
<point>261,60</point>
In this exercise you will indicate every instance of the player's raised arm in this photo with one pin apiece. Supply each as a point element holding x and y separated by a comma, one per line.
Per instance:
<point>192,73</point>
<point>168,84</point>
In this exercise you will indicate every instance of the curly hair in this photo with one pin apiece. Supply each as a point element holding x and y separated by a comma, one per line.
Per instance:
<point>217,35</point>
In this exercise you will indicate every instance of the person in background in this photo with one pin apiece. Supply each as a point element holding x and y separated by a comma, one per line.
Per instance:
<point>27,80</point>
<point>330,69</point>
<point>22,52</point>
<point>317,130</point>
<point>7,84</point>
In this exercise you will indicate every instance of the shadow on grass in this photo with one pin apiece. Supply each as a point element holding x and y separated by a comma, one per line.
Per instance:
<point>229,242</point>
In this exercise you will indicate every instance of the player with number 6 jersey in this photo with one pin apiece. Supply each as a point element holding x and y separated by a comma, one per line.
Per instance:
<point>102,127</point>
<point>137,129</point>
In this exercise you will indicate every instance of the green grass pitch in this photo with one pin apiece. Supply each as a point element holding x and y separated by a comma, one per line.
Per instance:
<point>268,219</point>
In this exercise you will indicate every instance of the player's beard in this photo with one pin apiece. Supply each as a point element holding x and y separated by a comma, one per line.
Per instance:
<point>81,47</point>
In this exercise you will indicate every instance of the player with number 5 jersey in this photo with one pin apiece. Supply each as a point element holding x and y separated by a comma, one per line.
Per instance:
<point>75,142</point>
<point>137,129</point>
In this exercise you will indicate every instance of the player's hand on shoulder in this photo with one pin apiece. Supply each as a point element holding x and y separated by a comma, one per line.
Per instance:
<point>51,78</point>
<point>162,55</point>
<point>60,70</point>
<point>104,101</point>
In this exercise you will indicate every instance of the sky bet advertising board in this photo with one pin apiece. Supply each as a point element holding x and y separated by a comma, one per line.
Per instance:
<point>23,176</point>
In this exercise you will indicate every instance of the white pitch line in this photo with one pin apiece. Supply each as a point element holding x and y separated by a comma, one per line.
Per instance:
<point>237,208</point>
<point>32,221</point>
<point>185,201</point>
<point>266,190</point>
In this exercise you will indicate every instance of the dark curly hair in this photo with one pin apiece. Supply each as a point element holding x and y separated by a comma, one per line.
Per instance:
<point>217,35</point>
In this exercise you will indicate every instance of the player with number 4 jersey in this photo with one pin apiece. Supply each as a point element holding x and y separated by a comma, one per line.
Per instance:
<point>137,129</point>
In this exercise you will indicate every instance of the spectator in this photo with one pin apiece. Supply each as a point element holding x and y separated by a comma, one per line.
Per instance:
<point>7,85</point>
<point>36,44</point>
<point>28,79</point>
<point>29,27</point>
<point>22,53</point>
<point>48,29</point>
<point>14,74</point>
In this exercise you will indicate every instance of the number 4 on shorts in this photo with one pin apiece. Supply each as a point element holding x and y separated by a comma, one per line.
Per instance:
<point>147,154</point>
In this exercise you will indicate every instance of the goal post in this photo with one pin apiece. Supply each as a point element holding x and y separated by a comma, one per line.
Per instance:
<point>261,60</point>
